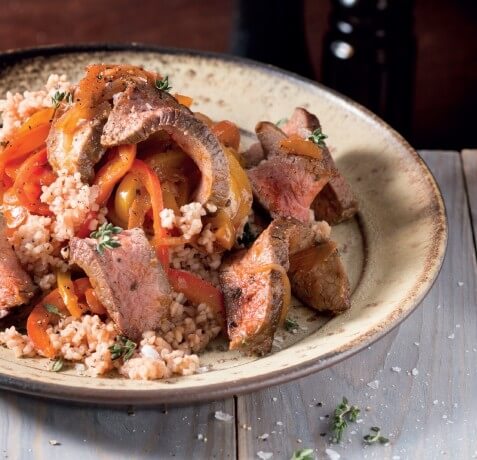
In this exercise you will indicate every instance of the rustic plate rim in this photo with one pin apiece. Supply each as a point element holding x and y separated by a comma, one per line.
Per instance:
<point>248,384</point>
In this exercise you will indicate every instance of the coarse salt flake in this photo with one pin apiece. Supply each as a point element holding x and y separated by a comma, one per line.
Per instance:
<point>222,416</point>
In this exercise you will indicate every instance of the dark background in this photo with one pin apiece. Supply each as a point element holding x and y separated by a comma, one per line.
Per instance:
<point>444,95</point>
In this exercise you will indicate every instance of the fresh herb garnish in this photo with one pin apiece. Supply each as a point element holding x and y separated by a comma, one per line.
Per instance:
<point>303,454</point>
<point>281,122</point>
<point>163,84</point>
<point>57,365</point>
<point>122,348</point>
<point>248,237</point>
<point>105,235</point>
<point>375,436</point>
<point>61,96</point>
<point>290,325</point>
<point>344,413</point>
<point>318,137</point>
<point>50,308</point>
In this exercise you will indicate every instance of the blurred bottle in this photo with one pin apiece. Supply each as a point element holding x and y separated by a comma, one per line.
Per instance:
<point>369,55</point>
<point>272,31</point>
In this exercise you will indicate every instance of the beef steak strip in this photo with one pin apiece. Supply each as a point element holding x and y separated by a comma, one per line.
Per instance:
<point>128,280</point>
<point>286,184</point>
<point>336,202</point>
<point>16,287</point>
<point>142,110</point>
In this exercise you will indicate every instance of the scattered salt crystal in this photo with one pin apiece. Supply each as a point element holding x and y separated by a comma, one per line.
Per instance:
<point>435,402</point>
<point>332,454</point>
<point>451,336</point>
<point>374,384</point>
<point>414,372</point>
<point>263,436</point>
<point>274,399</point>
<point>264,455</point>
<point>222,416</point>
<point>396,369</point>
<point>360,420</point>
<point>148,351</point>
<point>460,283</point>
<point>279,423</point>
<point>457,326</point>
<point>54,442</point>
<point>200,437</point>
<point>396,457</point>
<point>444,416</point>
<point>416,343</point>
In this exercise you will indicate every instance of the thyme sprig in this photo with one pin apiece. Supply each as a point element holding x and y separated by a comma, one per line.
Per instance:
<point>375,436</point>
<point>318,137</point>
<point>303,454</point>
<point>106,237</point>
<point>123,347</point>
<point>163,84</point>
<point>344,413</point>
<point>61,96</point>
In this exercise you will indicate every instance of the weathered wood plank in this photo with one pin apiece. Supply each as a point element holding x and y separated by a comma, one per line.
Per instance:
<point>27,426</point>
<point>469,161</point>
<point>426,415</point>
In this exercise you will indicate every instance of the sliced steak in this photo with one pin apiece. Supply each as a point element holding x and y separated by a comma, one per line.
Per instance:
<point>142,110</point>
<point>128,280</point>
<point>336,202</point>
<point>253,155</point>
<point>286,184</point>
<point>16,286</point>
<point>83,150</point>
<point>318,277</point>
<point>254,298</point>
<point>255,287</point>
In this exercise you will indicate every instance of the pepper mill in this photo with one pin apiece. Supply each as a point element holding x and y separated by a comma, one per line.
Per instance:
<point>369,55</point>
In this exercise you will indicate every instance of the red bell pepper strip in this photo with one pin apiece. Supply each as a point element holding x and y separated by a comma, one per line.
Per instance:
<point>148,178</point>
<point>198,291</point>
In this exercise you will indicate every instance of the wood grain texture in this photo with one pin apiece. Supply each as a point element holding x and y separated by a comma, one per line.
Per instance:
<point>27,426</point>
<point>469,162</point>
<point>426,416</point>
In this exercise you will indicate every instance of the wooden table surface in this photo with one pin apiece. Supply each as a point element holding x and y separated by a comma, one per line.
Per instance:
<point>419,384</point>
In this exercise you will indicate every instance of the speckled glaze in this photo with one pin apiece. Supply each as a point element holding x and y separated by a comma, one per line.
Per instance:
<point>393,250</point>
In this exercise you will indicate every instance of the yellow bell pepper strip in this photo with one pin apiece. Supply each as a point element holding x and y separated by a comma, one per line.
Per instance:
<point>227,133</point>
<point>131,201</point>
<point>67,291</point>
<point>119,163</point>
<point>151,182</point>
<point>299,146</point>
<point>32,175</point>
<point>184,100</point>
<point>198,291</point>
<point>39,320</point>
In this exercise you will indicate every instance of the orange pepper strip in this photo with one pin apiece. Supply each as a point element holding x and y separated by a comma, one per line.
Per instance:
<point>198,291</point>
<point>94,305</point>
<point>228,133</point>
<point>40,117</point>
<point>151,182</point>
<point>299,146</point>
<point>38,322</point>
<point>66,289</point>
<point>120,162</point>
<point>24,143</point>
<point>30,177</point>
<point>184,100</point>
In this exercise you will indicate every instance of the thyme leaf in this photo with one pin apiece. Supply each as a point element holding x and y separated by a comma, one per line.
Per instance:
<point>344,413</point>
<point>290,325</point>
<point>50,308</point>
<point>122,348</point>
<point>106,237</point>
<point>57,365</point>
<point>375,436</point>
<point>303,454</point>
<point>163,84</point>
<point>318,137</point>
